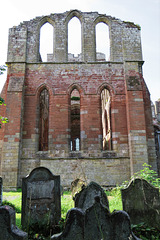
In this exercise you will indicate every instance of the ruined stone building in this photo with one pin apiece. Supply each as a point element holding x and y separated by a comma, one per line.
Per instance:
<point>156,125</point>
<point>83,116</point>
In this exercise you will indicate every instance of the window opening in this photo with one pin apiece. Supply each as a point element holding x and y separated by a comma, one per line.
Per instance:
<point>106,119</point>
<point>75,120</point>
<point>43,120</point>
<point>102,42</point>
<point>74,39</point>
<point>46,42</point>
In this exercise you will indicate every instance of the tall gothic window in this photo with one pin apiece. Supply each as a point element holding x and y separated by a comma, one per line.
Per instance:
<point>75,120</point>
<point>74,39</point>
<point>46,42</point>
<point>102,42</point>
<point>106,119</point>
<point>43,120</point>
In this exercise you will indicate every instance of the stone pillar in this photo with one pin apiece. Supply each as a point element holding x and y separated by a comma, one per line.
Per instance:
<point>60,41</point>
<point>88,40</point>
<point>11,149</point>
<point>135,118</point>
<point>17,44</point>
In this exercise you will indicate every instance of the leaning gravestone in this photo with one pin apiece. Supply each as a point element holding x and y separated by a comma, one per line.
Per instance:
<point>142,202</point>
<point>41,203</point>
<point>86,197</point>
<point>8,229</point>
<point>1,190</point>
<point>76,186</point>
<point>96,223</point>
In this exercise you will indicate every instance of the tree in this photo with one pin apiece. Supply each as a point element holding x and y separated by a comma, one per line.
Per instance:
<point>2,102</point>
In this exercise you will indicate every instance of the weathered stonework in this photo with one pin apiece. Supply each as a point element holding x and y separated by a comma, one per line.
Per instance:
<point>132,140</point>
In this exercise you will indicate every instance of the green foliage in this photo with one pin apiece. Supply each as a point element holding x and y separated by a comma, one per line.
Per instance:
<point>15,207</point>
<point>66,204</point>
<point>18,220</point>
<point>2,69</point>
<point>115,201</point>
<point>2,119</point>
<point>14,198</point>
<point>146,173</point>
<point>145,232</point>
<point>75,98</point>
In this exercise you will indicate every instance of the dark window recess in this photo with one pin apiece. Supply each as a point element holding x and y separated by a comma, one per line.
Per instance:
<point>44,120</point>
<point>106,120</point>
<point>75,120</point>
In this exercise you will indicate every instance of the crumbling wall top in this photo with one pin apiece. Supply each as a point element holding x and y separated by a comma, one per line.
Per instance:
<point>24,39</point>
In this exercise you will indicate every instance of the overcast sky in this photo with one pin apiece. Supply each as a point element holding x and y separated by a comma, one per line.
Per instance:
<point>146,13</point>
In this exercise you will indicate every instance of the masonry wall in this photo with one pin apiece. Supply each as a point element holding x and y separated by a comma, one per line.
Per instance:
<point>131,131</point>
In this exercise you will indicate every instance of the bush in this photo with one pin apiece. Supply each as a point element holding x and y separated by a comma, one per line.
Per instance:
<point>16,208</point>
<point>145,232</point>
<point>146,173</point>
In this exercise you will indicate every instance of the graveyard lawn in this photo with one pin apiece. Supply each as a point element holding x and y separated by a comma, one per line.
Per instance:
<point>114,196</point>
<point>14,199</point>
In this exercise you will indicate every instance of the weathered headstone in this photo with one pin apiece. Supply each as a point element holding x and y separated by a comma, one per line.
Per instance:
<point>8,229</point>
<point>142,202</point>
<point>41,204</point>
<point>76,186</point>
<point>1,189</point>
<point>96,223</point>
<point>86,197</point>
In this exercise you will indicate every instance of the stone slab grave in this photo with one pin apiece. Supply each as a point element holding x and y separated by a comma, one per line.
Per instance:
<point>94,220</point>
<point>41,202</point>
<point>141,201</point>
<point>8,229</point>
<point>1,190</point>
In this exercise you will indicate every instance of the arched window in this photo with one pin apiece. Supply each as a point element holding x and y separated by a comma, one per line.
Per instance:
<point>46,42</point>
<point>43,120</point>
<point>74,39</point>
<point>102,42</point>
<point>75,120</point>
<point>106,119</point>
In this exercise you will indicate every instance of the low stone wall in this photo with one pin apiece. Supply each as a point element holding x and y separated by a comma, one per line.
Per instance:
<point>106,172</point>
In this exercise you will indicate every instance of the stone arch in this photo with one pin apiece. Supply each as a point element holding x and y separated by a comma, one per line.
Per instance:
<point>76,86</point>
<point>74,13</point>
<point>44,20</point>
<point>103,19</point>
<point>41,87</point>
<point>107,86</point>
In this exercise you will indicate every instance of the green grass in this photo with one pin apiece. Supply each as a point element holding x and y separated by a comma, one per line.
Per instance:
<point>14,200</point>
<point>66,203</point>
<point>115,201</point>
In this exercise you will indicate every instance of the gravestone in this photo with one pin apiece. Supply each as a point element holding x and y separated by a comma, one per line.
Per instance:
<point>41,203</point>
<point>96,223</point>
<point>8,229</point>
<point>142,202</point>
<point>86,197</point>
<point>1,190</point>
<point>76,186</point>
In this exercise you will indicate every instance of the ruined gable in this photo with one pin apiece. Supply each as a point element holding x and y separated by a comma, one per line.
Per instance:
<point>106,133</point>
